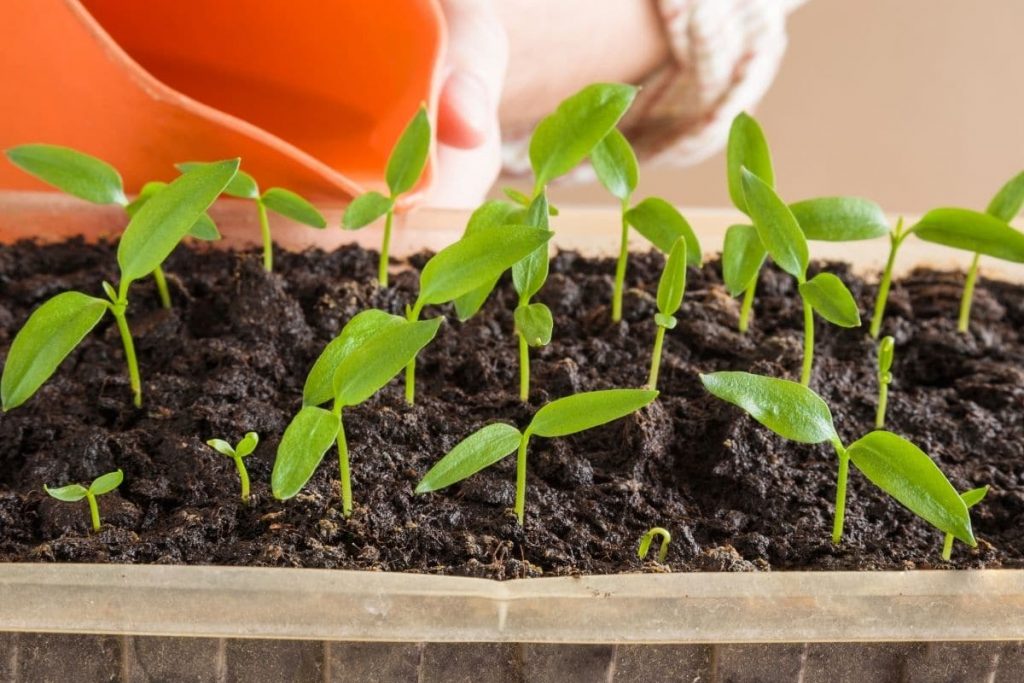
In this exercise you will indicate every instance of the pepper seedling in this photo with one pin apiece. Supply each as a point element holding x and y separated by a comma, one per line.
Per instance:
<point>562,417</point>
<point>890,462</point>
<point>94,180</point>
<point>277,199</point>
<point>886,349</point>
<point>59,325</point>
<point>405,166</point>
<point>76,492</point>
<point>779,232</point>
<point>970,498</point>
<point>244,449</point>
<point>371,349</point>
<point>671,288</point>
<point>827,219</point>
<point>648,538</point>
<point>479,258</point>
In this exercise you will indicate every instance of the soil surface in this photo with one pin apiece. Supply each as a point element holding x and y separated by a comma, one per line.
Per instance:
<point>232,355</point>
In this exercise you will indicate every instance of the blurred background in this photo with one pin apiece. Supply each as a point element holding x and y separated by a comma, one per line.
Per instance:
<point>912,103</point>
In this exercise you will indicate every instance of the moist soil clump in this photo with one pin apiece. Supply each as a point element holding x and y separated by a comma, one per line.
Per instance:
<point>233,353</point>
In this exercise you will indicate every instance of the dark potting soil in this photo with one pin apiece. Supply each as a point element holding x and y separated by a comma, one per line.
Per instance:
<point>232,355</point>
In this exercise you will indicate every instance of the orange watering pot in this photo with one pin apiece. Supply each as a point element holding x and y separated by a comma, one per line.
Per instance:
<point>310,94</point>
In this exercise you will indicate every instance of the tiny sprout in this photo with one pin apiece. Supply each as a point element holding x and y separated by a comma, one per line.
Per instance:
<point>59,325</point>
<point>277,199</point>
<point>405,166</point>
<point>76,492</point>
<point>885,356</point>
<point>890,462</point>
<point>244,448</point>
<point>562,417</point>
<point>647,538</point>
<point>671,288</point>
<point>970,498</point>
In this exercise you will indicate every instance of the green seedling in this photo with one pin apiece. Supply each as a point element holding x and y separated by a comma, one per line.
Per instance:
<point>562,417</point>
<point>94,180</point>
<point>405,166</point>
<point>277,199</point>
<point>371,349</point>
<point>886,348</point>
<point>654,218</point>
<point>76,492</point>
<point>779,232</point>
<point>827,219</point>
<point>890,462</point>
<point>59,325</point>
<point>671,288</point>
<point>478,259</point>
<point>970,498</point>
<point>648,538</point>
<point>244,449</point>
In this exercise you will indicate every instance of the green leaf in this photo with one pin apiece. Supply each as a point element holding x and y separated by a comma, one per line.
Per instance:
<point>742,258</point>
<point>776,226</point>
<point>587,410</point>
<point>248,444</point>
<point>147,191</point>
<point>535,323</point>
<point>523,199</point>
<point>479,258</point>
<point>840,219</point>
<point>567,136</point>
<point>886,351</point>
<point>789,409</point>
<point>319,387</point>
<point>493,213</point>
<point>243,185</point>
<point>222,447</point>
<point>972,231</point>
<point>409,155</point>
<point>308,436</point>
<point>1008,201</point>
<point>50,334</point>
<point>669,322</point>
<point>830,299</point>
<point>291,205</point>
<point>531,272</point>
<point>672,283</point>
<point>365,209</point>
<point>615,164</point>
<point>204,229</point>
<point>662,224</point>
<point>69,494</point>
<point>479,450</point>
<point>974,496</point>
<point>71,171</point>
<point>106,483</point>
<point>748,148</point>
<point>162,222</point>
<point>372,364</point>
<point>906,473</point>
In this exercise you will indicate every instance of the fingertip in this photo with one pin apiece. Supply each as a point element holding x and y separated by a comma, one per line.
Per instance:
<point>464,111</point>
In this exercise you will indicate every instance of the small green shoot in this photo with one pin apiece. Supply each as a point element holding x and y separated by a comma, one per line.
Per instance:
<point>244,449</point>
<point>76,492</point>
<point>59,325</point>
<point>371,349</point>
<point>890,462</point>
<point>896,239</point>
<point>886,348</point>
<point>276,199</point>
<point>562,417</point>
<point>970,498</point>
<point>648,538</point>
<point>671,288</point>
<point>405,166</point>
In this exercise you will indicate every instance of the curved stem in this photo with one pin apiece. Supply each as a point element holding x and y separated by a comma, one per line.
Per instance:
<point>161,287</point>
<point>521,479</point>
<point>652,378</point>
<point>647,538</point>
<point>94,510</point>
<point>524,369</point>
<point>343,469</point>
<point>882,298</point>
<point>268,246</point>
<point>844,469</point>
<point>620,268</point>
<point>805,373</point>
<point>243,474</point>
<point>968,295</point>
<point>747,305</point>
<point>385,247</point>
<point>947,547</point>
<point>129,355</point>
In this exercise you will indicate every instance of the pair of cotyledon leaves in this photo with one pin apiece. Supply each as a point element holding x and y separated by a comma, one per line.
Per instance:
<point>76,492</point>
<point>889,461</point>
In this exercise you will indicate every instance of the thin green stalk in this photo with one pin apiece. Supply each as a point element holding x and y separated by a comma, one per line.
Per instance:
<point>243,474</point>
<point>410,369</point>
<point>968,295</point>
<point>524,369</point>
<point>895,240</point>
<point>346,481</point>
<point>129,353</point>
<point>746,306</point>
<point>844,470</point>
<point>883,400</point>
<point>521,479</point>
<point>268,246</point>
<point>947,548</point>
<point>385,248</point>
<point>620,267</point>
<point>94,510</point>
<point>161,287</point>
<point>652,378</point>
<point>805,373</point>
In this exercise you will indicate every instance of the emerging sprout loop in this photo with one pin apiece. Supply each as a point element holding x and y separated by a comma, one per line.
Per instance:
<point>648,538</point>
<point>243,449</point>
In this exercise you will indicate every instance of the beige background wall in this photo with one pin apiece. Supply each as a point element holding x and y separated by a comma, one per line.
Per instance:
<point>914,103</point>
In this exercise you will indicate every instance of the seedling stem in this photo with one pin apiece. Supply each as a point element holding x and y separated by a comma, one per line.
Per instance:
<point>382,266</point>
<point>620,266</point>
<point>268,249</point>
<point>746,306</point>
<point>895,239</point>
<point>968,295</point>
<point>648,538</point>
<point>521,477</point>
<point>117,308</point>
<point>844,470</point>
<point>659,338</point>
<point>524,369</point>
<point>805,372</point>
